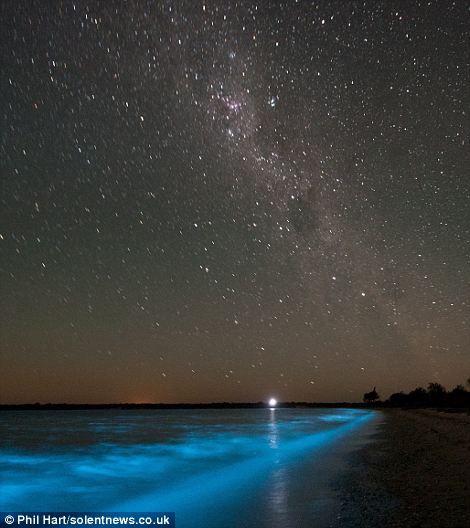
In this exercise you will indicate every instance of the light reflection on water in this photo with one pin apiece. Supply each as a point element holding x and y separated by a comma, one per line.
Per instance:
<point>274,467</point>
<point>278,491</point>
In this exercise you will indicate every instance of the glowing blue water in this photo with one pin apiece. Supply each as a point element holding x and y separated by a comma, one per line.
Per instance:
<point>256,467</point>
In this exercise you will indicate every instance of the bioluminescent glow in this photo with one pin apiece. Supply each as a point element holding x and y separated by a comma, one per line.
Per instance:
<point>173,460</point>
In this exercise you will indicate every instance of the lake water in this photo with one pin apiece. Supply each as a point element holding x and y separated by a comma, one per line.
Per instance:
<point>214,468</point>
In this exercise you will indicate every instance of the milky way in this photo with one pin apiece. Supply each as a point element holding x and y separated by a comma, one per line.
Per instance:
<point>229,200</point>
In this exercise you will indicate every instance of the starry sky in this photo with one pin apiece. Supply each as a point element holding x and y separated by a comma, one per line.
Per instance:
<point>227,201</point>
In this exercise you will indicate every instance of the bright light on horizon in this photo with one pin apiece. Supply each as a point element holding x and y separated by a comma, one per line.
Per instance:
<point>272,402</point>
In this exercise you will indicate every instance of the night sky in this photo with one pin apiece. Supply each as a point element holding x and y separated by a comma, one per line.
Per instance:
<point>227,200</point>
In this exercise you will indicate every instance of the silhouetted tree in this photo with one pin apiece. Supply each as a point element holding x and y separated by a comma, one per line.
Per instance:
<point>370,397</point>
<point>459,397</point>
<point>399,399</point>
<point>418,396</point>
<point>437,394</point>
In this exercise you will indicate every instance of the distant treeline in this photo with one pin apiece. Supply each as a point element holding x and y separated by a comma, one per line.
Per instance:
<point>436,395</point>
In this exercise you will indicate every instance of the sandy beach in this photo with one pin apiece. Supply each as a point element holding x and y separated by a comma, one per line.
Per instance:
<point>416,473</point>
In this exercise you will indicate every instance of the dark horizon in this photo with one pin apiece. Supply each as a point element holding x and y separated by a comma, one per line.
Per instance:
<point>180,405</point>
<point>435,395</point>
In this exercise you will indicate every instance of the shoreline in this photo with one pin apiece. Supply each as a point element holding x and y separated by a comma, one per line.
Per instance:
<point>416,473</point>
<point>158,406</point>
